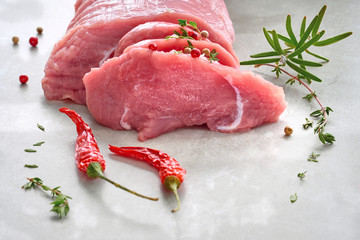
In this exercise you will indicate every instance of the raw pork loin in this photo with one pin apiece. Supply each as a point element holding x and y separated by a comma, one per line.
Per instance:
<point>155,92</point>
<point>98,25</point>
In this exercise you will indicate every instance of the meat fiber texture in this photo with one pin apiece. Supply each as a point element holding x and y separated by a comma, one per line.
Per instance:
<point>98,25</point>
<point>136,91</point>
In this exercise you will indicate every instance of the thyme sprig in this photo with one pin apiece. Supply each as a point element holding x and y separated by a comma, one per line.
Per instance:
<point>292,56</point>
<point>183,33</point>
<point>313,157</point>
<point>213,56</point>
<point>61,202</point>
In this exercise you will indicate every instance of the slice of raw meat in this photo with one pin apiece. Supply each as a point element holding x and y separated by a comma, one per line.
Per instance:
<point>153,30</point>
<point>155,92</point>
<point>173,44</point>
<point>98,26</point>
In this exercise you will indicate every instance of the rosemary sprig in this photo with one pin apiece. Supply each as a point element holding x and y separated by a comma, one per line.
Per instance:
<point>291,56</point>
<point>61,202</point>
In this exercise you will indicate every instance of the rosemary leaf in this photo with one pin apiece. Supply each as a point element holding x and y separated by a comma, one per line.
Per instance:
<point>317,56</point>
<point>306,45</point>
<point>289,30</point>
<point>260,61</point>
<point>268,38</point>
<point>306,33</point>
<point>31,166</point>
<point>265,54</point>
<point>303,72</point>
<point>332,40</point>
<point>29,150</point>
<point>318,22</point>
<point>287,40</point>
<point>277,46</point>
<point>38,143</point>
<point>305,62</point>
<point>40,127</point>
<point>303,26</point>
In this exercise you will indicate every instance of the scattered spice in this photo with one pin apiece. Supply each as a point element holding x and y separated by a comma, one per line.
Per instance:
<point>293,198</point>
<point>153,46</point>
<point>193,35</point>
<point>61,203</point>
<point>33,41</point>
<point>301,175</point>
<point>187,50</point>
<point>195,53</point>
<point>87,154</point>
<point>170,172</point>
<point>39,30</point>
<point>40,127</point>
<point>31,166</point>
<point>307,124</point>
<point>23,79</point>
<point>15,40</point>
<point>204,34</point>
<point>288,131</point>
<point>206,52</point>
<point>313,157</point>
<point>38,143</point>
<point>29,150</point>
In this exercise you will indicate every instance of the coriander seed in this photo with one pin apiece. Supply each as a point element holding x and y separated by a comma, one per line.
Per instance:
<point>204,34</point>
<point>187,50</point>
<point>206,52</point>
<point>39,30</point>
<point>15,40</point>
<point>288,131</point>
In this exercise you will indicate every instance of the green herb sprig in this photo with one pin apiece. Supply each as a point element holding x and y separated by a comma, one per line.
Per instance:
<point>293,198</point>
<point>61,202</point>
<point>313,157</point>
<point>213,56</point>
<point>302,175</point>
<point>183,33</point>
<point>292,56</point>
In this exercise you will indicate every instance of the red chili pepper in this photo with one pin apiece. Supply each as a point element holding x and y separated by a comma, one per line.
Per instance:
<point>170,172</point>
<point>87,154</point>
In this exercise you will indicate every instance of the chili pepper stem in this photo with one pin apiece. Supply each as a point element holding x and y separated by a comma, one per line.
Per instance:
<point>173,183</point>
<point>94,170</point>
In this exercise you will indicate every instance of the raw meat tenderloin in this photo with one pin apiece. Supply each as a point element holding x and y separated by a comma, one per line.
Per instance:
<point>155,92</point>
<point>98,25</point>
